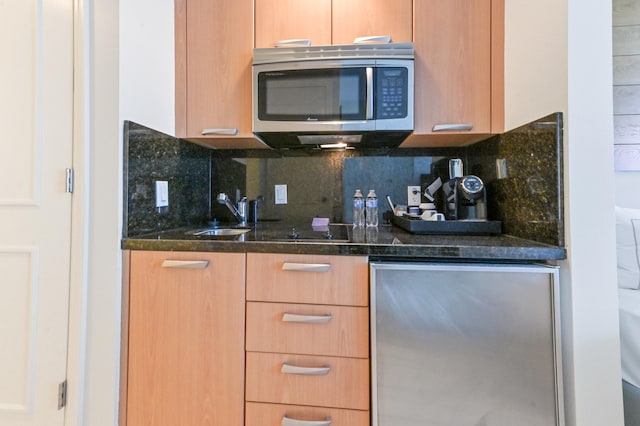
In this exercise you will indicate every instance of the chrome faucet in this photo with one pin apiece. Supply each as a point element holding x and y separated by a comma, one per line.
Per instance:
<point>239,212</point>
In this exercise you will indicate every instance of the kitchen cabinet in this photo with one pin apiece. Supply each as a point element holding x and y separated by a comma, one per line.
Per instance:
<point>292,19</point>
<point>214,42</point>
<point>186,338</point>
<point>331,22</point>
<point>307,339</point>
<point>459,75</point>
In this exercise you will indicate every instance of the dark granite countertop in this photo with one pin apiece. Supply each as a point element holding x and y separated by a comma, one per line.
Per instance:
<point>388,242</point>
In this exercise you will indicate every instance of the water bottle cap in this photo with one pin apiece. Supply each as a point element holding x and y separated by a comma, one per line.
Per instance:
<point>371,193</point>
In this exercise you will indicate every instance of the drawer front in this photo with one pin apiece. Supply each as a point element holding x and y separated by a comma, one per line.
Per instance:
<point>308,329</point>
<point>259,414</point>
<point>308,380</point>
<point>296,278</point>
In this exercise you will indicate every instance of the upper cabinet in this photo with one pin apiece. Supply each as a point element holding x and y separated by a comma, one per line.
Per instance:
<point>459,65</point>
<point>292,19</point>
<point>214,48</point>
<point>363,18</point>
<point>458,71</point>
<point>331,22</point>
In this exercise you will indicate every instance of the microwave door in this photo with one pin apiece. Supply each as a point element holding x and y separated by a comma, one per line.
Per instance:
<point>316,99</point>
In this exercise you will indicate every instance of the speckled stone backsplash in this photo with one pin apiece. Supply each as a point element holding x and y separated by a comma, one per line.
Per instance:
<point>151,156</point>
<point>522,170</point>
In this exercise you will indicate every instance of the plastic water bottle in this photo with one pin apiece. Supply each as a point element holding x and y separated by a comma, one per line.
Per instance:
<point>358,208</point>
<point>372,208</point>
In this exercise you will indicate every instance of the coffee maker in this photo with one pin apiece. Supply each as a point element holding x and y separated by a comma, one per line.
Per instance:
<point>464,196</point>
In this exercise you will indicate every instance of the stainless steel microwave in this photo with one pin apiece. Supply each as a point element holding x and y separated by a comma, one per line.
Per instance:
<point>355,95</point>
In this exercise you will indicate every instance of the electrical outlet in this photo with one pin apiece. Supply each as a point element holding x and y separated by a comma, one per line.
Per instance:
<point>162,193</point>
<point>413,195</point>
<point>281,194</point>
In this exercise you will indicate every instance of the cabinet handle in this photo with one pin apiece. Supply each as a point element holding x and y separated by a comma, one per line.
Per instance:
<point>287,421</point>
<point>306,267</point>
<point>452,127</point>
<point>297,42</point>
<point>304,371</point>
<point>306,319</point>
<point>185,264</point>
<point>231,132</point>
<point>372,39</point>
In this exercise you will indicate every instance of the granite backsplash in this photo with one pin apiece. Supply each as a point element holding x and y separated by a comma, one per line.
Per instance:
<point>522,170</point>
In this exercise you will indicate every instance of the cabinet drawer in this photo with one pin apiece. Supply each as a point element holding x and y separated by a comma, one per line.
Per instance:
<point>308,329</point>
<point>259,414</point>
<point>343,384</point>
<point>332,280</point>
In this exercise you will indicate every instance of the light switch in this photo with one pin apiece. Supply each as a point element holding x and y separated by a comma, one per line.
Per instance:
<point>162,193</point>
<point>281,194</point>
<point>414,195</point>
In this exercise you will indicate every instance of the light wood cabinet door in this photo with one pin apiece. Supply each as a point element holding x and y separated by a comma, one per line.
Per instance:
<point>308,329</point>
<point>186,339</point>
<point>316,279</point>
<point>363,18</point>
<point>453,69</point>
<point>308,380</point>
<point>214,42</point>
<point>259,414</point>
<point>292,19</point>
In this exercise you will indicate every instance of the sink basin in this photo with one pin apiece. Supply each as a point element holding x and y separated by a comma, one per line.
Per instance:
<point>220,232</point>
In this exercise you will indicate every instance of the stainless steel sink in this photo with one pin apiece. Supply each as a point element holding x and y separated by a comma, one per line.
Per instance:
<point>220,232</point>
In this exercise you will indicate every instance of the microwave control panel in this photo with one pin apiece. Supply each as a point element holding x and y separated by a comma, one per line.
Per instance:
<point>392,92</point>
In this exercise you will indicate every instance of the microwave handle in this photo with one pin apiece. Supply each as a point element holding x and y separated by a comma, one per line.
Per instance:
<point>370,89</point>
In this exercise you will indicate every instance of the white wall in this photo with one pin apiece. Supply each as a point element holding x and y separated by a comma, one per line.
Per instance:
<point>590,296</point>
<point>147,55</point>
<point>628,189</point>
<point>535,60</point>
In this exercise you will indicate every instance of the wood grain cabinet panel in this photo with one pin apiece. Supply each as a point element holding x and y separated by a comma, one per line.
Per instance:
<point>186,339</point>
<point>292,19</point>
<point>364,18</point>
<point>214,51</point>
<point>327,22</point>
<point>344,385</point>
<point>259,414</point>
<point>308,329</point>
<point>283,278</point>
<point>459,71</point>
<point>453,67</point>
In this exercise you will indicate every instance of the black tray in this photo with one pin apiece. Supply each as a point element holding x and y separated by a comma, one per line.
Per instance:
<point>448,227</point>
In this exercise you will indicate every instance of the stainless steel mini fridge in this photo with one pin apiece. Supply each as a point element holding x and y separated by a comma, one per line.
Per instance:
<point>465,345</point>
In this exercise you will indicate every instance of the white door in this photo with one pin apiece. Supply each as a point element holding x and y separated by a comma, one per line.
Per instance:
<point>36,41</point>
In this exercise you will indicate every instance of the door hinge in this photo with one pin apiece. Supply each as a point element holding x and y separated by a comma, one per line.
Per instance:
<point>62,395</point>
<point>70,181</point>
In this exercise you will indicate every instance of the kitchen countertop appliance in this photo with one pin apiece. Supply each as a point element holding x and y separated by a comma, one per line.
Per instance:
<point>358,95</point>
<point>464,197</point>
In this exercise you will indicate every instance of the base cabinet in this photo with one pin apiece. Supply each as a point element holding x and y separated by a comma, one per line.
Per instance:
<point>186,339</point>
<point>307,340</point>
<point>260,414</point>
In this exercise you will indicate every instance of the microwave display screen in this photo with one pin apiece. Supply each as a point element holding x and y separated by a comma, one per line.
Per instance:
<point>313,95</point>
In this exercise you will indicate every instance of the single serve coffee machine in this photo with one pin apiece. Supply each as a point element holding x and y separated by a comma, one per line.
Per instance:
<point>465,196</point>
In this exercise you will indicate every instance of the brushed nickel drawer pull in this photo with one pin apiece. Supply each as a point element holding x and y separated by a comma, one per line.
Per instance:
<point>306,267</point>
<point>185,264</point>
<point>228,132</point>
<point>306,319</point>
<point>452,127</point>
<point>304,371</point>
<point>287,421</point>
